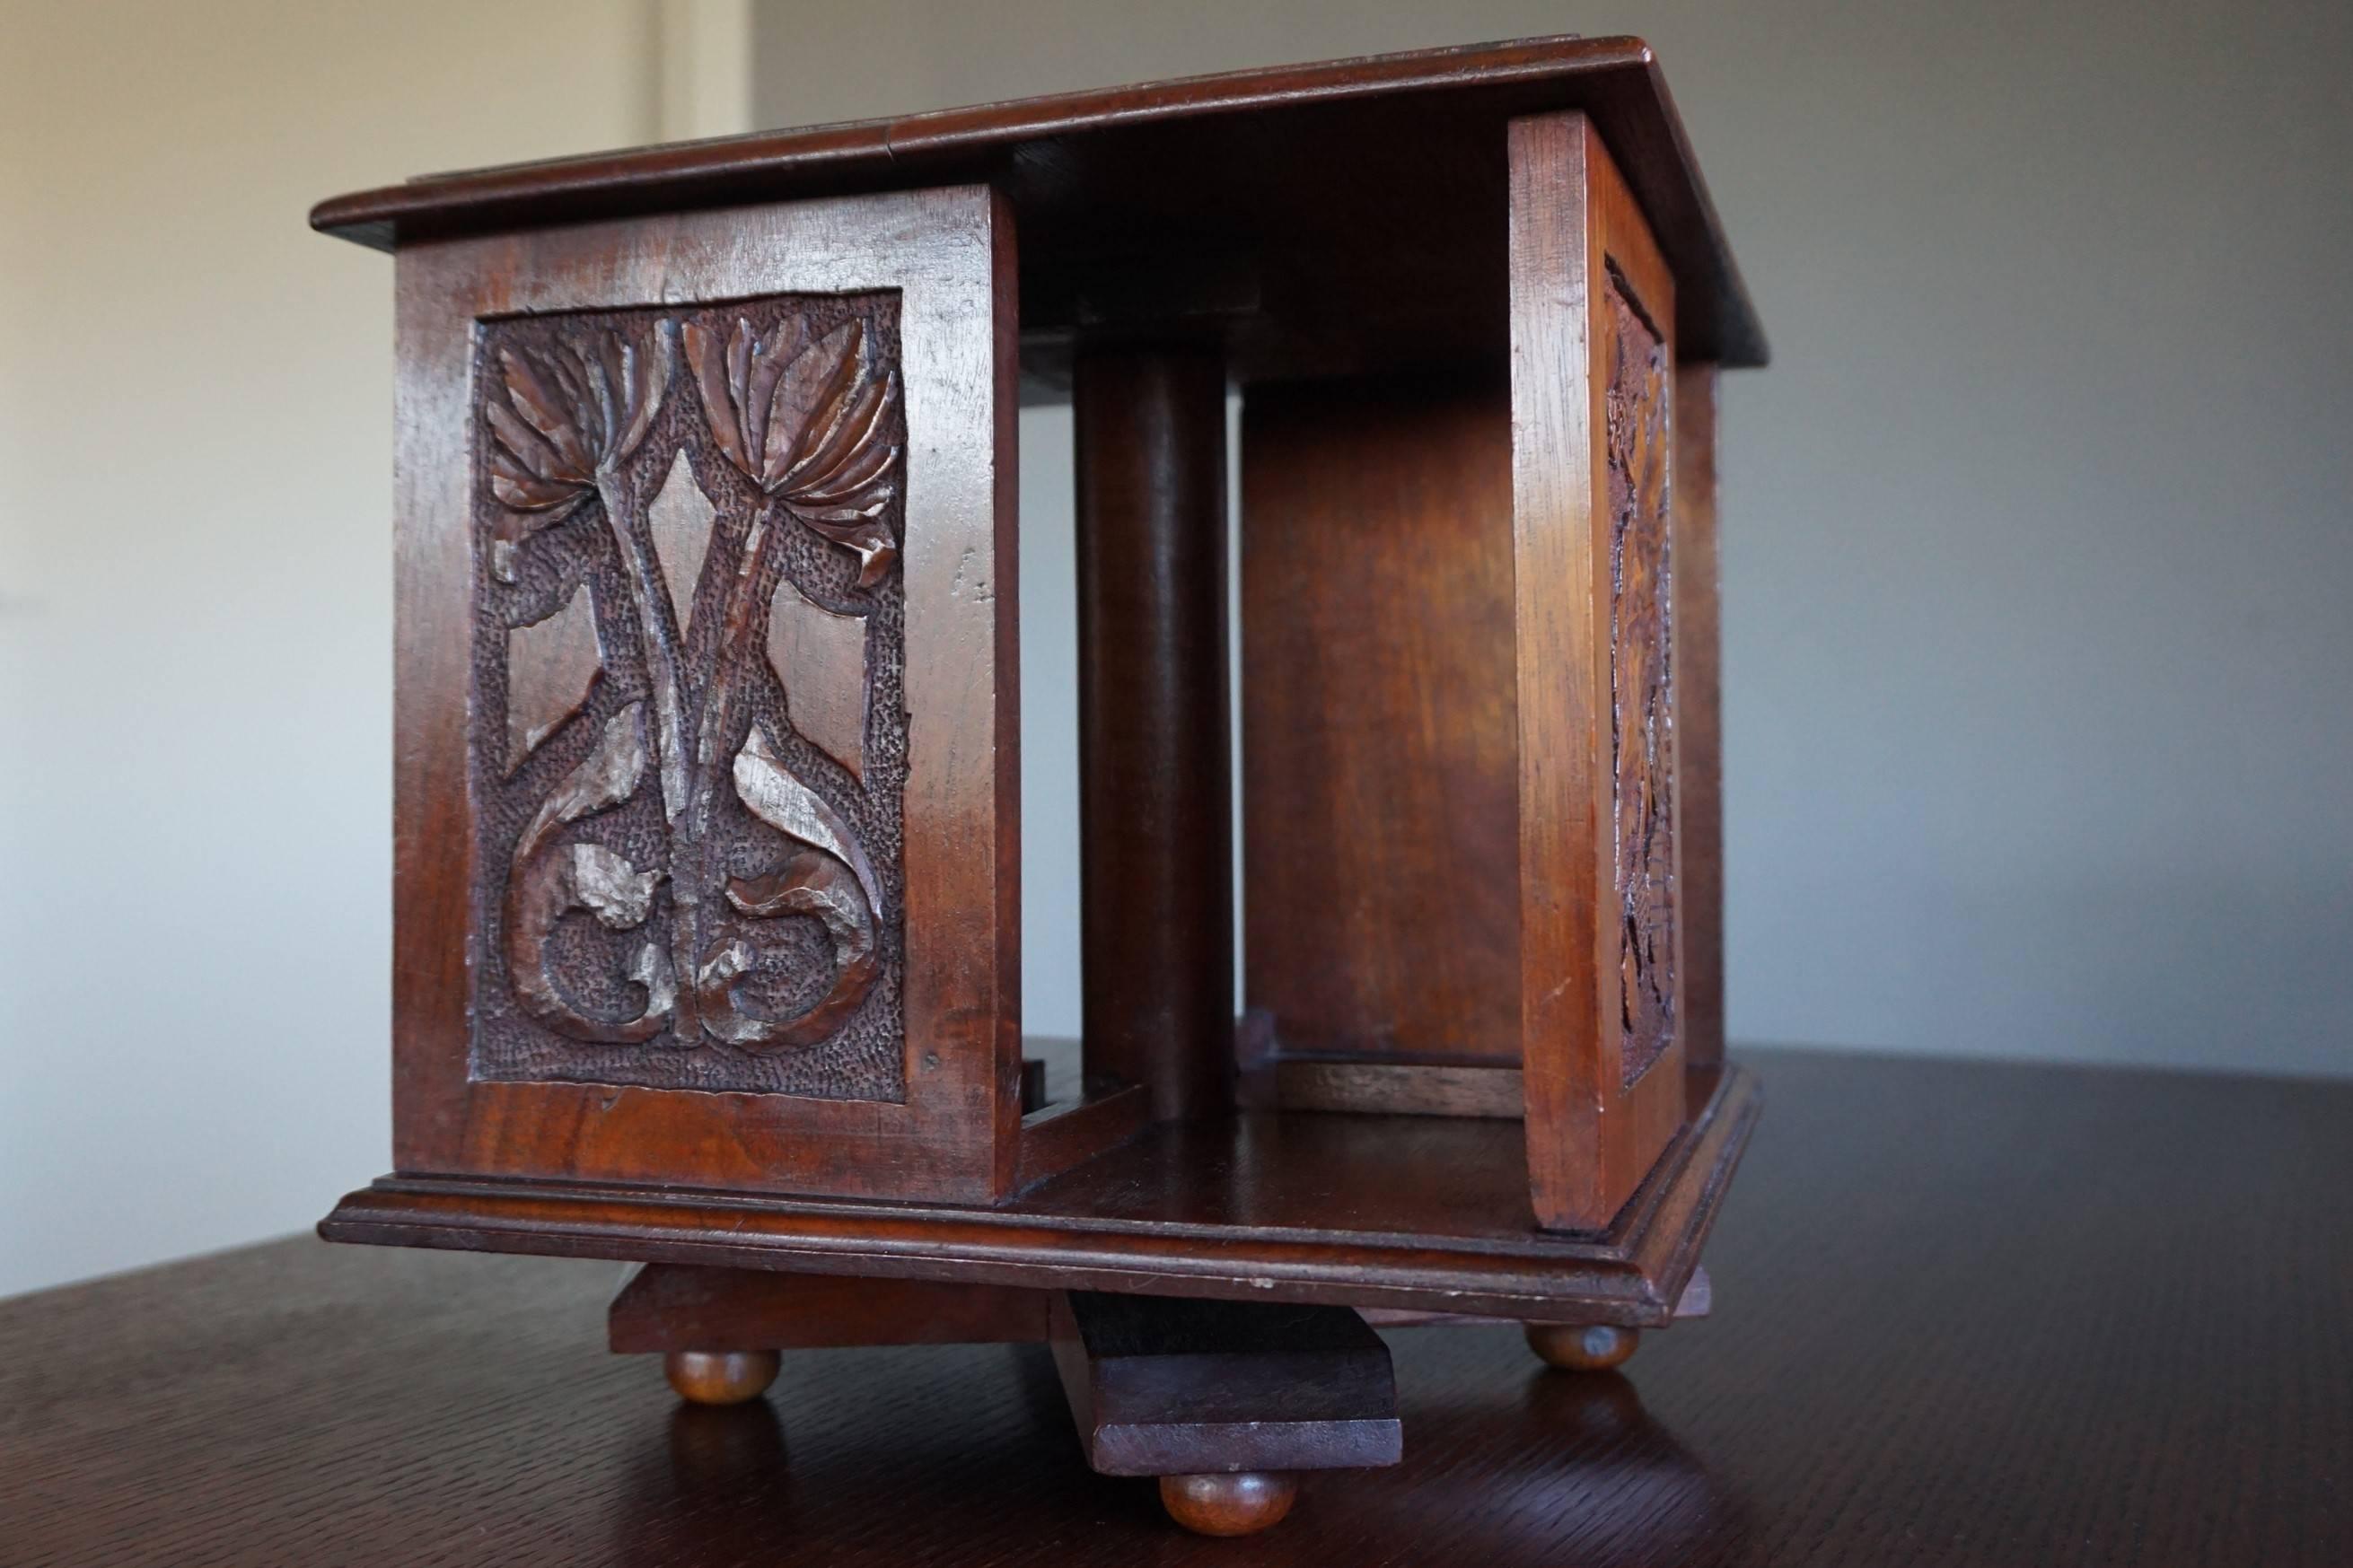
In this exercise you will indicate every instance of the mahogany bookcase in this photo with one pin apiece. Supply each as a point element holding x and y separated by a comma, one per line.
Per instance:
<point>707,826</point>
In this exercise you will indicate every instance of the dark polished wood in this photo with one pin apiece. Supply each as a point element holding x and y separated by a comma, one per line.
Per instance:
<point>1416,1212</point>
<point>1265,180</point>
<point>667,1306</point>
<point>671,1306</point>
<point>707,867</point>
<point>1699,711</point>
<point>1585,280</point>
<point>1974,1316</point>
<point>1163,1386</point>
<point>1155,791</point>
<point>1056,1138</point>
<point>1392,1087</point>
<point>1381,870</point>
<point>952,1128</point>
<point>1697,1301</point>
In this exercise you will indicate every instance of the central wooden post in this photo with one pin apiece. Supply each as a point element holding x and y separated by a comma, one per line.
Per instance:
<point>1155,789</point>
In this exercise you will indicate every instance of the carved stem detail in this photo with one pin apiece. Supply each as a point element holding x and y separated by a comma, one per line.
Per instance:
<point>736,648</point>
<point>830,879</point>
<point>646,595</point>
<point>552,879</point>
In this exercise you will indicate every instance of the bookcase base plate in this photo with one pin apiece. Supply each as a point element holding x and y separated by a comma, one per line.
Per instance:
<point>1422,1214</point>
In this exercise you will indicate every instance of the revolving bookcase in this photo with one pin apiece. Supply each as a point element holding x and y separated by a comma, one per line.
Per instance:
<point>707,789</point>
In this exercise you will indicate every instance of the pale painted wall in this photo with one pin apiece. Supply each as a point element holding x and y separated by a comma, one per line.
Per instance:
<point>2039,552</point>
<point>196,424</point>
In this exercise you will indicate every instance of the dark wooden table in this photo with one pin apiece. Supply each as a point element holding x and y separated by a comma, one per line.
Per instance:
<point>1965,1314</point>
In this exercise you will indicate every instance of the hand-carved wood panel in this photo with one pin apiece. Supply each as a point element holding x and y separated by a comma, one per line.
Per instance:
<point>1642,679</point>
<point>689,879</point>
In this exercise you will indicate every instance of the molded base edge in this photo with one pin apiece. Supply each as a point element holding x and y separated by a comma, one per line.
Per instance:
<point>1633,1274</point>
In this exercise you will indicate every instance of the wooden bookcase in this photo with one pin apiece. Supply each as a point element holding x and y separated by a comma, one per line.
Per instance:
<point>707,829</point>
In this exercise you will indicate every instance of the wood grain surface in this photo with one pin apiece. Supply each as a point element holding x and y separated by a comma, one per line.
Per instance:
<point>1381,756</point>
<point>1965,1315</point>
<point>1699,711</point>
<point>1160,1385</point>
<point>1257,187</point>
<point>1414,1212</point>
<point>946,1125</point>
<point>678,1306</point>
<point>1599,1109</point>
<point>1155,793</point>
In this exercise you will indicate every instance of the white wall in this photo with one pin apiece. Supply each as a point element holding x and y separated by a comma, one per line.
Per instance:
<point>2037,546</point>
<point>196,423</point>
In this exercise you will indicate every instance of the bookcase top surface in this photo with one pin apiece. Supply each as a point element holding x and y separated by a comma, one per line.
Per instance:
<point>1326,217</point>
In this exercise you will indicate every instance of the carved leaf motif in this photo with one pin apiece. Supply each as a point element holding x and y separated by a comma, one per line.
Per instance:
<point>550,666</point>
<point>830,880</point>
<point>571,413</point>
<point>810,884</point>
<point>549,880</point>
<point>770,792</point>
<point>609,776</point>
<point>618,894</point>
<point>808,424</point>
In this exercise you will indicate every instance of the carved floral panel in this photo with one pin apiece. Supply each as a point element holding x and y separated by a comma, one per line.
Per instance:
<point>1642,681</point>
<point>689,738</point>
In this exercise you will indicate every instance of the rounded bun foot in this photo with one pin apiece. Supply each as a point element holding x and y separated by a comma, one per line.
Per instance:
<point>1242,1503</point>
<point>1591,1347</point>
<point>720,1377</point>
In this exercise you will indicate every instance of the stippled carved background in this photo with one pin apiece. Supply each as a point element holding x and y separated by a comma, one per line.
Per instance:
<point>1642,680</point>
<point>688,734</point>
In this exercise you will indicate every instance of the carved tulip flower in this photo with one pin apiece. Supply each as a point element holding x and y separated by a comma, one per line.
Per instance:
<point>808,423</point>
<point>571,415</point>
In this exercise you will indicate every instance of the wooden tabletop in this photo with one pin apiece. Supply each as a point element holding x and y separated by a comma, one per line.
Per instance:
<point>1964,1314</point>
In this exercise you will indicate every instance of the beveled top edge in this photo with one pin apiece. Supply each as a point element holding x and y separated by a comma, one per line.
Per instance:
<point>1615,78</point>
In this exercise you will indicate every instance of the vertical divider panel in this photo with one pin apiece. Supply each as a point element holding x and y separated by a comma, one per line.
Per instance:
<point>1592,356</point>
<point>1380,757</point>
<point>1699,725</point>
<point>1004,826</point>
